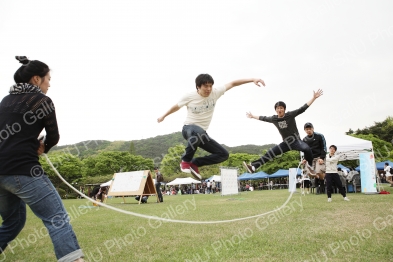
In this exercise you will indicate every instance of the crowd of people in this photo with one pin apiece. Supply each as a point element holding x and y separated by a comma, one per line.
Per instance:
<point>306,183</point>
<point>206,187</point>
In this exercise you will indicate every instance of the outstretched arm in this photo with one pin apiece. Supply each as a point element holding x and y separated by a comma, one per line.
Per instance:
<point>173,109</point>
<point>239,82</point>
<point>249,115</point>
<point>315,96</point>
<point>268,119</point>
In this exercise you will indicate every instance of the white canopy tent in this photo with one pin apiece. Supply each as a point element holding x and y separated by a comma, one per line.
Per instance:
<point>215,178</point>
<point>183,181</point>
<point>349,146</point>
<point>106,183</point>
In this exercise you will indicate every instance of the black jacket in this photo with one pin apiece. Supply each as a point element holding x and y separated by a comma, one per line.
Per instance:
<point>286,125</point>
<point>317,143</point>
<point>22,118</point>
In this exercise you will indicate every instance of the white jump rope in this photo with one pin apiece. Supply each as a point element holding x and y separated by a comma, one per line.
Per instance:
<point>160,218</point>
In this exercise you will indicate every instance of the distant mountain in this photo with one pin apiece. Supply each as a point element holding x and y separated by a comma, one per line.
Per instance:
<point>250,149</point>
<point>150,147</point>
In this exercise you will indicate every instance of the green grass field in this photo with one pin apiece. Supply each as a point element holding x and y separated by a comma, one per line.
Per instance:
<point>307,229</point>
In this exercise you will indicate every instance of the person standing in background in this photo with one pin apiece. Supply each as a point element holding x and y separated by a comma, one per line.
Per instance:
<point>332,174</point>
<point>388,174</point>
<point>159,179</point>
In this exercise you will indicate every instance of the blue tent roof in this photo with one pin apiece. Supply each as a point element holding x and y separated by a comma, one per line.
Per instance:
<point>379,165</point>
<point>244,176</point>
<point>259,175</point>
<point>241,176</point>
<point>283,173</point>
<point>248,176</point>
<point>343,167</point>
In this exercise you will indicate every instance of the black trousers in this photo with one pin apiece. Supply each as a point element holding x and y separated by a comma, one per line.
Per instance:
<point>197,137</point>
<point>158,189</point>
<point>334,178</point>
<point>291,143</point>
<point>320,185</point>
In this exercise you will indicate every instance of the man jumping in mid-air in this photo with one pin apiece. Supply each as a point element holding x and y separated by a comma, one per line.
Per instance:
<point>286,125</point>
<point>200,108</point>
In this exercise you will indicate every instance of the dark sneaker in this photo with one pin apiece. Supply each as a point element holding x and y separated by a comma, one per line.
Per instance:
<point>195,171</point>
<point>250,169</point>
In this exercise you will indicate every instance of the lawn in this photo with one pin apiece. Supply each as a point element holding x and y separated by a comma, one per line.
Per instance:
<point>308,228</point>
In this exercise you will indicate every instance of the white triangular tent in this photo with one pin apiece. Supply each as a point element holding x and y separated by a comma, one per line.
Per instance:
<point>350,146</point>
<point>215,178</point>
<point>183,181</point>
<point>106,183</point>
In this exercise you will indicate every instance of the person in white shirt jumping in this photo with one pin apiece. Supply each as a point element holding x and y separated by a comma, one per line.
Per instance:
<point>200,108</point>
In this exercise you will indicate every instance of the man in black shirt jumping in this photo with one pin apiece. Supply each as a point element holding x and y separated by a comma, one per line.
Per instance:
<point>286,125</point>
<point>317,143</point>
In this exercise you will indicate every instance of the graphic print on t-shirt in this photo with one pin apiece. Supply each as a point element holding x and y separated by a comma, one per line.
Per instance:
<point>208,105</point>
<point>283,124</point>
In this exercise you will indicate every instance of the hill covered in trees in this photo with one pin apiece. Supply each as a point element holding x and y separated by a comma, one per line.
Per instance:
<point>154,147</point>
<point>96,161</point>
<point>382,130</point>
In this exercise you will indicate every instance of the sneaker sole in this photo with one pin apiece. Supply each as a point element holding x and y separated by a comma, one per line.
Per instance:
<point>195,174</point>
<point>185,170</point>
<point>246,166</point>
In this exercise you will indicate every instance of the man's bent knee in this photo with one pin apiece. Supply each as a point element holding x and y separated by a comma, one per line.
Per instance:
<point>224,155</point>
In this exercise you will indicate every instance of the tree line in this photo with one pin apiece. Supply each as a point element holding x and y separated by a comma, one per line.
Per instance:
<point>97,161</point>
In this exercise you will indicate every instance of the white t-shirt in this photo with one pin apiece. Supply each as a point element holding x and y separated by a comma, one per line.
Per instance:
<point>387,171</point>
<point>200,109</point>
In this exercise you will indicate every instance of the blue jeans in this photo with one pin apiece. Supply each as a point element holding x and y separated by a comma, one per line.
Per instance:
<point>38,192</point>
<point>197,137</point>
<point>291,143</point>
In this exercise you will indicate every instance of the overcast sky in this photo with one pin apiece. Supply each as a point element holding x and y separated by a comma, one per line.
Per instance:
<point>119,65</point>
